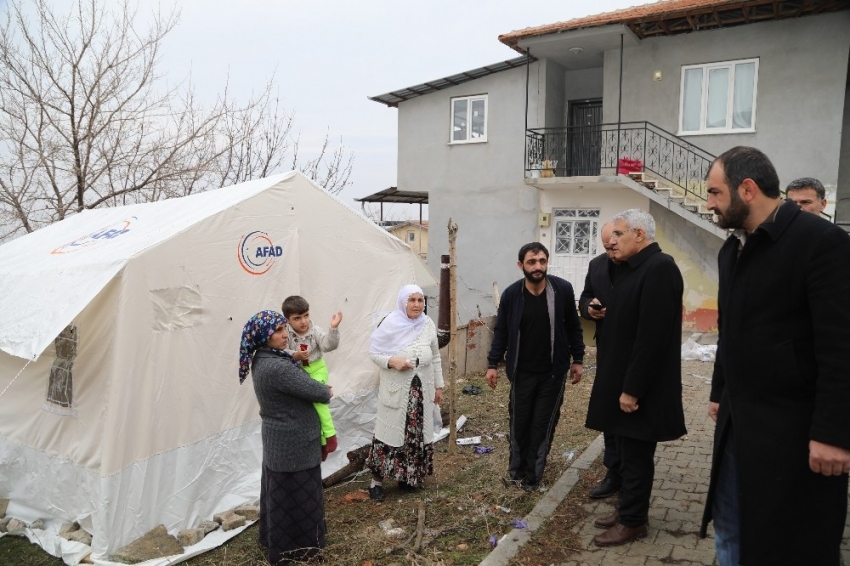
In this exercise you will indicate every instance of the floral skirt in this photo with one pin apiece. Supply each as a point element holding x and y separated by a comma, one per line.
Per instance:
<point>414,460</point>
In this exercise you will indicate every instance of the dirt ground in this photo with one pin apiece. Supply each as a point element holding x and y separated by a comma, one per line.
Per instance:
<point>465,502</point>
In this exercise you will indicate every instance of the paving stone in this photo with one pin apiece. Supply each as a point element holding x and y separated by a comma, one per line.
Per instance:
<point>232,521</point>
<point>687,541</point>
<point>15,525</point>
<point>80,536</point>
<point>208,526</point>
<point>4,504</point>
<point>66,528</point>
<point>189,537</point>
<point>250,512</point>
<point>694,555</point>
<point>645,549</point>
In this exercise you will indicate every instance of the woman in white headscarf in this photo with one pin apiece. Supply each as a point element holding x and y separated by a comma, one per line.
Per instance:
<point>404,346</point>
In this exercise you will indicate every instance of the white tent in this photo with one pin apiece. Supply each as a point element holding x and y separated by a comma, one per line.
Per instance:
<point>133,416</point>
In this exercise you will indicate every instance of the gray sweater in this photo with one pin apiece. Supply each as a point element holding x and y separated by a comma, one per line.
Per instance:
<point>291,428</point>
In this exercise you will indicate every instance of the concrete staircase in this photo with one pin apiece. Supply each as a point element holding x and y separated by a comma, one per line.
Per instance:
<point>674,195</point>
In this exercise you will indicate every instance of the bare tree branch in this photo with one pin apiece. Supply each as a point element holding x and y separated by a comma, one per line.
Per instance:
<point>86,121</point>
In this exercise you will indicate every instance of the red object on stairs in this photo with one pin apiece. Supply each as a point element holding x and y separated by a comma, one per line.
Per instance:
<point>626,165</point>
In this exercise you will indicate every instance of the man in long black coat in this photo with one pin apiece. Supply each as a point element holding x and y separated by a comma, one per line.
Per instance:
<point>637,394</point>
<point>592,306</point>
<point>781,386</point>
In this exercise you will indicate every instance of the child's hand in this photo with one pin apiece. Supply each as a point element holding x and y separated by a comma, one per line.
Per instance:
<point>301,355</point>
<point>336,319</point>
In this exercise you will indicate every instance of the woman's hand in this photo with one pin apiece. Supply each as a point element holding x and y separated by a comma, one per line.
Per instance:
<point>438,396</point>
<point>330,391</point>
<point>399,364</point>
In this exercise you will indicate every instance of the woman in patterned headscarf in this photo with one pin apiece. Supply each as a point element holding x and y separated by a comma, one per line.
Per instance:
<point>292,512</point>
<point>404,346</point>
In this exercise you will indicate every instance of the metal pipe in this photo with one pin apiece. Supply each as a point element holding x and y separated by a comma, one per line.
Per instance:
<point>444,317</point>
<point>620,104</point>
<point>527,75</point>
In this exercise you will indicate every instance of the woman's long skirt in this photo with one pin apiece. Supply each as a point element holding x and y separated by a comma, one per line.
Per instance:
<point>292,514</point>
<point>414,460</point>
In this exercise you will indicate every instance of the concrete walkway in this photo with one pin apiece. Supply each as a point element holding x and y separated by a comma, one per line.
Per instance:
<point>681,481</point>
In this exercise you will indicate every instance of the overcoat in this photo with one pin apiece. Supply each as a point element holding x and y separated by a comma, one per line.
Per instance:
<point>782,378</point>
<point>642,335</point>
<point>597,285</point>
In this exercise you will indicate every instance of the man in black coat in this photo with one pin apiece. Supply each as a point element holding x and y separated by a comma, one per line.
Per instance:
<point>637,394</point>
<point>541,310</point>
<point>780,392</point>
<point>591,305</point>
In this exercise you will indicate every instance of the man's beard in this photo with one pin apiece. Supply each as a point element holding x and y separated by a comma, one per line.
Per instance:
<point>736,214</point>
<point>535,276</point>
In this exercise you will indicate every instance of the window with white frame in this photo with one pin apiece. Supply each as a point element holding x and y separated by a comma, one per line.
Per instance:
<point>719,98</point>
<point>576,231</point>
<point>469,119</point>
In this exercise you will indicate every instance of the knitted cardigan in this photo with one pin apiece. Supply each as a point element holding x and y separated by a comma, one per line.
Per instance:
<point>394,387</point>
<point>291,428</point>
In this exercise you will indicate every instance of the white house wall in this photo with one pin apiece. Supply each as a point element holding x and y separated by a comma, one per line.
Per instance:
<point>801,88</point>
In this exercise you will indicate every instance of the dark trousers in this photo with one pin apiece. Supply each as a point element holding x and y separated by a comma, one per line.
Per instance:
<point>637,467</point>
<point>534,407</point>
<point>611,456</point>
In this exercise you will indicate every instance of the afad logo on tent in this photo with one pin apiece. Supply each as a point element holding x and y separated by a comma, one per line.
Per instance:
<point>257,252</point>
<point>102,235</point>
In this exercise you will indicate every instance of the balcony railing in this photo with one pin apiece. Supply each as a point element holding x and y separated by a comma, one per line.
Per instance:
<point>598,149</point>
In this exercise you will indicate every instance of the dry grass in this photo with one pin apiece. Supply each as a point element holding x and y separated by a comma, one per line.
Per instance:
<point>466,500</point>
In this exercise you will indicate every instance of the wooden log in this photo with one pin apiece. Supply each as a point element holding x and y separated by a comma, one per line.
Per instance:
<point>356,459</point>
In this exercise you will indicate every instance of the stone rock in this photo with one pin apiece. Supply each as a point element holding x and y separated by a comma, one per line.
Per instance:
<point>219,517</point>
<point>154,544</point>
<point>250,512</point>
<point>37,524</point>
<point>386,525</point>
<point>396,533</point>
<point>68,528</point>
<point>232,521</point>
<point>15,525</point>
<point>3,523</point>
<point>189,537</point>
<point>79,536</point>
<point>4,503</point>
<point>208,526</point>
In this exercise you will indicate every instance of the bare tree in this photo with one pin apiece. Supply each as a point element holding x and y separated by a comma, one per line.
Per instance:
<point>87,121</point>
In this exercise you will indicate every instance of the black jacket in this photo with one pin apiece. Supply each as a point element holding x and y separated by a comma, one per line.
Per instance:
<point>597,285</point>
<point>567,339</point>
<point>782,378</point>
<point>643,337</point>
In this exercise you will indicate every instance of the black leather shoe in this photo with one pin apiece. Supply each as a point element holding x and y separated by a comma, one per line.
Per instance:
<point>529,487</point>
<point>376,493</point>
<point>606,488</point>
<point>404,486</point>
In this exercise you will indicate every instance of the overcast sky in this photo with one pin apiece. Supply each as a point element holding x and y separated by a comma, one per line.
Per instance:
<point>330,55</point>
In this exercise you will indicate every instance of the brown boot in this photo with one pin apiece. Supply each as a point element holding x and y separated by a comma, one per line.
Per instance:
<point>619,534</point>
<point>607,521</point>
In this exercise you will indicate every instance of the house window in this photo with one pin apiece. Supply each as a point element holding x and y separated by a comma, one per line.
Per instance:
<point>411,236</point>
<point>469,119</point>
<point>719,98</point>
<point>576,231</point>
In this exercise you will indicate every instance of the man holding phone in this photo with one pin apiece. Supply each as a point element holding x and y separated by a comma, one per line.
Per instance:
<point>591,305</point>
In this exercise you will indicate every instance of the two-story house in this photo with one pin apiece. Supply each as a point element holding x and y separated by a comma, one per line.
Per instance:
<point>529,149</point>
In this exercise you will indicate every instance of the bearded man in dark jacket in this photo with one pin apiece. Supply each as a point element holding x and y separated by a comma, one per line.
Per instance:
<point>539,330</point>
<point>780,392</point>
<point>637,393</point>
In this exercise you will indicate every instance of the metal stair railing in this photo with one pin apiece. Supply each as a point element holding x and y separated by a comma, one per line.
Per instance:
<point>588,150</point>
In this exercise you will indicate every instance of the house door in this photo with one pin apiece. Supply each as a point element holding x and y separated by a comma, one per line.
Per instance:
<point>574,243</point>
<point>584,138</point>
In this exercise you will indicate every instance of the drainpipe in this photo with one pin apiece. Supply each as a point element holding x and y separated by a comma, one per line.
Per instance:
<point>444,317</point>
<point>525,133</point>
<point>619,106</point>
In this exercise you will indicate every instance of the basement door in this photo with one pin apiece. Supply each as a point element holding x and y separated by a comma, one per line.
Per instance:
<point>574,244</point>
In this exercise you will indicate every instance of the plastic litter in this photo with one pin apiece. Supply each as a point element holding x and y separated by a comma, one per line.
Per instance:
<point>569,455</point>
<point>472,390</point>
<point>494,542</point>
<point>469,440</point>
<point>482,449</point>
<point>518,524</point>
<point>693,351</point>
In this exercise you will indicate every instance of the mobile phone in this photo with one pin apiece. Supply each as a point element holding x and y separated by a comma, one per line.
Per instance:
<point>596,306</point>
